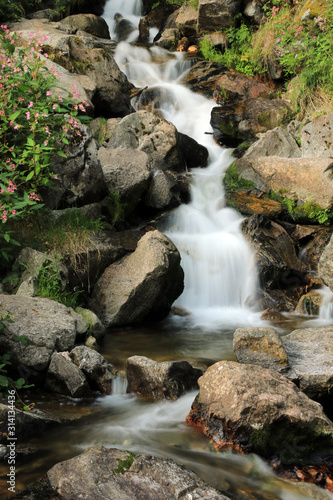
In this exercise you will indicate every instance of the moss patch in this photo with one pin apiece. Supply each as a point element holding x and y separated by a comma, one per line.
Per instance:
<point>124,465</point>
<point>233,182</point>
<point>293,443</point>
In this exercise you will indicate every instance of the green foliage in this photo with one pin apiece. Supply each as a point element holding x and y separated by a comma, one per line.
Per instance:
<point>34,119</point>
<point>50,285</point>
<point>232,181</point>
<point>238,56</point>
<point>13,10</point>
<point>116,208</point>
<point>124,465</point>
<point>304,213</point>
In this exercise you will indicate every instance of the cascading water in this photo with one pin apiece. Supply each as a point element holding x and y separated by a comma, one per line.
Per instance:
<point>218,263</point>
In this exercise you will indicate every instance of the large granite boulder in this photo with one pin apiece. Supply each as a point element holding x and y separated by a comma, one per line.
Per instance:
<point>47,327</point>
<point>79,175</point>
<point>108,474</point>
<point>248,408</point>
<point>143,285</point>
<point>89,23</point>
<point>296,179</point>
<point>310,354</point>
<point>317,138</point>
<point>152,381</point>
<point>217,14</point>
<point>276,142</point>
<point>155,136</point>
<point>236,121</point>
<point>127,173</point>
<point>277,262</point>
<point>202,77</point>
<point>234,86</point>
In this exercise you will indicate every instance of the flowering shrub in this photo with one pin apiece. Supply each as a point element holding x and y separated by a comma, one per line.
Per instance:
<point>34,119</point>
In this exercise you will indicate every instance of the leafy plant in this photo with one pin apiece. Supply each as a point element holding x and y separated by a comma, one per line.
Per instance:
<point>35,116</point>
<point>50,285</point>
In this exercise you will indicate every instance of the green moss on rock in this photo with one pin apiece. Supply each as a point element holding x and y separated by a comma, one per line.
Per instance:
<point>233,182</point>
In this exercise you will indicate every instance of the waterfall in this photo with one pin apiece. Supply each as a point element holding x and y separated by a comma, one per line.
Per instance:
<point>326,308</point>
<point>219,264</point>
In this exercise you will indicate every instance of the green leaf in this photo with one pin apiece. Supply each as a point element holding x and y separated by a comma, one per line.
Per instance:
<point>65,141</point>
<point>61,153</point>
<point>3,381</point>
<point>30,176</point>
<point>7,237</point>
<point>13,116</point>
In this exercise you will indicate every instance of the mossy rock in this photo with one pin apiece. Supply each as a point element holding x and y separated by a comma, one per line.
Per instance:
<point>233,182</point>
<point>312,8</point>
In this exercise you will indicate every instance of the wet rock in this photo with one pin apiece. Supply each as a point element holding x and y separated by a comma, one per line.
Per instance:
<point>194,154</point>
<point>80,176</point>
<point>47,326</point>
<point>151,99</point>
<point>143,30</point>
<point>278,265</point>
<point>317,138</point>
<point>309,303</point>
<point>89,23</point>
<point>160,193</point>
<point>310,354</point>
<point>272,301</point>
<point>325,265</point>
<point>296,179</point>
<point>64,377</point>
<point>103,474</point>
<point>142,285</point>
<point>233,86</point>
<point>276,142</point>
<point>169,39</point>
<point>248,408</point>
<point>153,381</point>
<point>186,21</point>
<point>234,122</point>
<point>98,371</point>
<point>260,346</point>
<point>127,173</point>
<point>156,137</point>
<point>27,423</point>
<point>312,250</point>
<point>217,14</point>
<point>202,77</point>
<point>249,204</point>
<point>124,27</point>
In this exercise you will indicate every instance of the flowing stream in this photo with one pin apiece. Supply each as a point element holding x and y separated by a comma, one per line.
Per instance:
<point>219,276</point>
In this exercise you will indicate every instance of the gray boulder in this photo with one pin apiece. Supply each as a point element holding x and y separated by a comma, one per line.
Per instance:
<point>249,408</point>
<point>127,173</point>
<point>80,177</point>
<point>64,377</point>
<point>153,381</point>
<point>217,14</point>
<point>276,142</point>
<point>260,346</point>
<point>108,474</point>
<point>297,179</point>
<point>47,326</point>
<point>317,138</point>
<point>157,137</point>
<point>89,23</point>
<point>98,371</point>
<point>142,285</point>
<point>310,355</point>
